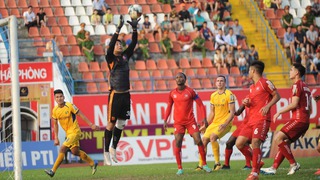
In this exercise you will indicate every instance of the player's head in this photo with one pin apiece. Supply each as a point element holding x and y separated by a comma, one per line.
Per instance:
<point>221,82</point>
<point>297,70</point>
<point>256,67</point>
<point>181,79</point>
<point>117,48</point>
<point>58,96</point>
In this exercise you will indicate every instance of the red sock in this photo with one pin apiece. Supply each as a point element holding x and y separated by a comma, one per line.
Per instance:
<point>227,156</point>
<point>256,158</point>
<point>278,160</point>
<point>284,148</point>
<point>178,157</point>
<point>247,152</point>
<point>202,154</point>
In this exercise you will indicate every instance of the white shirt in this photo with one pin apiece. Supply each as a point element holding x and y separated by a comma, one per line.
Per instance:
<point>312,35</point>
<point>29,16</point>
<point>231,40</point>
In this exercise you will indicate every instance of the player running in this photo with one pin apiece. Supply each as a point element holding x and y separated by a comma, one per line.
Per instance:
<point>182,97</point>
<point>65,113</point>
<point>300,107</point>
<point>262,96</point>
<point>221,116</point>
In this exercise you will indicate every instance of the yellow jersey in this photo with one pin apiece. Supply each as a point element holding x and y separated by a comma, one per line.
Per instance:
<point>67,118</point>
<point>221,105</point>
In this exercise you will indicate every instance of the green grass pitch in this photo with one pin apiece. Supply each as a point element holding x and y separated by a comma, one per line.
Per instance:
<point>167,171</point>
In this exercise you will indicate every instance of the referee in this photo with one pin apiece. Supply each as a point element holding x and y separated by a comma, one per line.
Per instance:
<point>119,97</point>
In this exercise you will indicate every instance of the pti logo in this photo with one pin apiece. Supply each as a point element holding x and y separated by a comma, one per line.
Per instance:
<point>124,151</point>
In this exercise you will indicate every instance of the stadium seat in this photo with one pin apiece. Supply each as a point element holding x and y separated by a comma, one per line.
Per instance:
<point>206,83</point>
<point>141,2</point>
<point>176,47</point>
<point>11,4</point>
<point>34,3</point>
<point>146,9</point>
<point>130,2</point>
<point>134,75</point>
<point>156,74</point>
<point>92,88</point>
<point>293,12</point>
<point>140,65</point>
<point>167,74</point>
<point>172,84</point>
<point>276,24</point>
<point>67,31</point>
<point>295,4</point>
<point>193,34</point>
<point>156,8</point>
<point>154,47</point>
<point>195,83</point>
<point>104,66</point>
<point>305,3</point>
<point>270,14</point>
<point>71,40</point>
<point>69,11</point>
<point>296,21</point>
<point>33,32</point>
<point>99,30</point>
<point>64,50</point>
<point>84,19</point>
<point>172,36</point>
<point>123,9</point>
<point>151,64</point>
<point>75,51</point>
<point>87,76</point>
<point>15,12</point>
<point>160,85</point>
<point>234,71</point>
<point>172,64</point>
<point>4,13</point>
<point>83,67</point>
<point>195,63</point>
<point>44,3</point>
<point>162,64</point>
<point>279,13</point>
<point>184,63</point>
<point>138,86</point>
<point>188,26</point>
<point>318,79</point>
<point>209,45</point>
<point>284,3</point>
<point>231,82</point>
<point>90,29</point>
<point>94,67</point>
<point>207,63</point>
<point>205,15</point>
<point>76,3</point>
<point>103,38</point>
<point>40,51</point>
<point>224,71</point>
<point>89,2</point>
<point>48,11</point>
<point>2,5</point>
<point>166,8</point>
<point>115,9</point>
<point>65,3</point>
<point>190,73</point>
<point>45,31</point>
<point>150,37</point>
<point>310,80</point>
<point>201,73</point>
<point>60,40</point>
<point>56,31</point>
<point>63,21</point>
<point>144,75</point>
<point>212,72</point>
<point>98,76</point>
<point>281,32</point>
<point>111,29</point>
<point>300,12</point>
<point>80,11</point>
<point>98,50</point>
<point>58,11</point>
<point>103,87</point>
<point>21,4</point>
<point>55,3</point>
<point>74,21</point>
<point>152,1</point>
<point>149,85</point>
<point>37,41</point>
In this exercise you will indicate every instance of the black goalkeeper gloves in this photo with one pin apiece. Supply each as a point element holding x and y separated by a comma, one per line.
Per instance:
<point>134,23</point>
<point>120,24</point>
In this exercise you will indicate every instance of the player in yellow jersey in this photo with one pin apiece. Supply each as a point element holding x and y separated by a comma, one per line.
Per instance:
<point>65,113</point>
<point>221,116</point>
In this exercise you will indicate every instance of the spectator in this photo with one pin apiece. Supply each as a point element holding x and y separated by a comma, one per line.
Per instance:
<point>210,3</point>
<point>165,24</point>
<point>166,44</point>
<point>173,14</point>
<point>227,6</point>
<point>225,27</point>
<point>253,54</point>
<point>81,35</point>
<point>305,61</point>
<point>87,47</point>
<point>220,41</point>
<point>185,41</point>
<point>242,61</point>
<point>199,44</point>
<point>215,30</point>
<point>312,37</point>
<point>95,18</point>
<point>304,24</point>
<point>108,17</point>
<point>237,54</point>
<point>219,12</point>
<point>310,17</point>
<point>198,20</point>
<point>50,47</point>
<point>176,25</point>
<point>99,6</point>
<point>231,41</point>
<point>238,30</point>
<point>192,9</point>
<point>287,18</point>
<point>146,26</point>
<point>230,61</point>
<point>299,37</point>
<point>184,14</point>
<point>206,32</point>
<point>315,9</point>
<point>218,60</point>
<point>316,61</point>
<point>318,43</point>
<point>144,45</point>
<point>289,42</point>
<point>275,4</point>
<point>156,26</point>
<point>29,18</point>
<point>41,18</point>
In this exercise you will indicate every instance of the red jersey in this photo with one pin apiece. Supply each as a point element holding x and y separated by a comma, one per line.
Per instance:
<point>184,38</point>
<point>301,112</point>
<point>183,105</point>
<point>260,95</point>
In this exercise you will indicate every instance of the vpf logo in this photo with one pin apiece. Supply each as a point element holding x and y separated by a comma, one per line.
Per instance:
<point>124,151</point>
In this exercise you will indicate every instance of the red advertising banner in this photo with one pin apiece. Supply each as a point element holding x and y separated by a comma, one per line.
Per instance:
<point>28,72</point>
<point>149,108</point>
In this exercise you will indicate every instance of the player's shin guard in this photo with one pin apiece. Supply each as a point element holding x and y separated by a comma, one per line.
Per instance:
<point>107,139</point>
<point>256,158</point>
<point>227,156</point>
<point>58,162</point>
<point>284,148</point>
<point>216,152</point>
<point>178,157</point>
<point>116,137</point>
<point>202,154</point>
<point>247,152</point>
<point>278,160</point>
<point>86,158</point>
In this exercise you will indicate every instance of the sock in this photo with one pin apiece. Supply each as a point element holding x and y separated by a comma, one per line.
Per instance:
<point>107,139</point>
<point>202,155</point>
<point>227,156</point>
<point>58,162</point>
<point>247,152</point>
<point>178,157</point>
<point>256,158</point>
<point>216,152</point>
<point>116,137</point>
<point>278,160</point>
<point>85,157</point>
<point>286,151</point>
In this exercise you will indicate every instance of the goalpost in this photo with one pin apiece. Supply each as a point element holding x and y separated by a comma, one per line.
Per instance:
<point>11,24</point>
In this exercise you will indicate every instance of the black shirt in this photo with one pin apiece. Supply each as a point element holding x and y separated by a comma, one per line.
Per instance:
<point>41,16</point>
<point>184,15</point>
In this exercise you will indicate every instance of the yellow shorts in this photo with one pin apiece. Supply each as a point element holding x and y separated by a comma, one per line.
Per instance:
<point>72,140</point>
<point>214,129</point>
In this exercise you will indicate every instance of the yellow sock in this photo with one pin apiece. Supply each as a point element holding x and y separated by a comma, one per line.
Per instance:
<point>58,162</point>
<point>86,158</point>
<point>216,152</point>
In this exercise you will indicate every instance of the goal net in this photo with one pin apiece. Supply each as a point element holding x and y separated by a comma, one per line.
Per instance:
<point>10,124</point>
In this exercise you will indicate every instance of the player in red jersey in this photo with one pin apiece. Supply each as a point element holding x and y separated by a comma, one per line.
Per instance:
<point>182,97</point>
<point>317,98</point>
<point>300,107</point>
<point>262,96</point>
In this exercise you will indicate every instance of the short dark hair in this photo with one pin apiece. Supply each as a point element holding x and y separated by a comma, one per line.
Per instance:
<point>259,66</point>
<point>29,7</point>
<point>300,68</point>
<point>58,91</point>
<point>225,80</point>
<point>252,45</point>
<point>184,75</point>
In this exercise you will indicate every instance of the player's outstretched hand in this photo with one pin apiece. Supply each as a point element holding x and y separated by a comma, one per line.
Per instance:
<point>317,98</point>
<point>264,110</point>
<point>134,23</point>
<point>120,23</point>
<point>95,127</point>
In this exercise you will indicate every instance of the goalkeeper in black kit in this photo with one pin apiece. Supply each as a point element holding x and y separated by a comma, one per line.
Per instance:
<point>119,97</point>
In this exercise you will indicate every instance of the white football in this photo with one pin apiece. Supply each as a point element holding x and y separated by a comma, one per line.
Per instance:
<point>135,11</point>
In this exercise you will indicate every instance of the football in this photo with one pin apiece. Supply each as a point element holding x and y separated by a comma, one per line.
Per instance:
<point>135,11</point>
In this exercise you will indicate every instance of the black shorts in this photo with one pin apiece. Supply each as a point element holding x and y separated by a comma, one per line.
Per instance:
<point>119,106</point>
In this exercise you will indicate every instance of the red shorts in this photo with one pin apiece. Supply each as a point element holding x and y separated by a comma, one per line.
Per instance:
<point>258,130</point>
<point>181,128</point>
<point>294,129</point>
<point>238,130</point>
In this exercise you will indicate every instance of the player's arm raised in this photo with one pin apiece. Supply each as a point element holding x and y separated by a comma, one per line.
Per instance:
<point>93,126</point>
<point>294,103</point>
<point>56,131</point>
